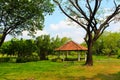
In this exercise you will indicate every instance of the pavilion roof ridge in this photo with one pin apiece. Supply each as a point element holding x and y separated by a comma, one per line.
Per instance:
<point>71,45</point>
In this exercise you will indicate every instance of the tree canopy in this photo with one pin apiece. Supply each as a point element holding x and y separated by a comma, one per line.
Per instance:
<point>19,15</point>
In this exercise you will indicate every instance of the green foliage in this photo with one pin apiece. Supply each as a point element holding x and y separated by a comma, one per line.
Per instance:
<point>118,54</point>
<point>46,45</point>
<point>106,51</point>
<point>107,44</point>
<point>5,59</point>
<point>32,50</point>
<point>6,48</point>
<point>57,60</point>
<point>43,44</point>
<point>10,59</point>
<point>23,49</point>
<point>27,59</point>
<point>20,15</point>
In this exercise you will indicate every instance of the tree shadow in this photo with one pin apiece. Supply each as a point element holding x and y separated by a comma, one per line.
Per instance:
<point>100,76</point>
<point>115,76</point>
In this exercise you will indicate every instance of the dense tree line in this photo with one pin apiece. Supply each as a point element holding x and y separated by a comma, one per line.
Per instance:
<point>32,50</point>
<point>108,44</point>
<point>39,49</point>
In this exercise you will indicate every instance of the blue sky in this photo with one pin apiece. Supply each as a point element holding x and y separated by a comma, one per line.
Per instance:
<point>56,24</point>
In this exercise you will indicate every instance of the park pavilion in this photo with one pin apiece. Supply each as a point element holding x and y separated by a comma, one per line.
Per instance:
<point>72,46</point>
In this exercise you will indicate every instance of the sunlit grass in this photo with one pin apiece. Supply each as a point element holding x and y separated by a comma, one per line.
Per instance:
<point>106,69</point>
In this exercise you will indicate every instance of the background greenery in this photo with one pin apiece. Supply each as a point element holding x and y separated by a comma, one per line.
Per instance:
<point>43,46</point>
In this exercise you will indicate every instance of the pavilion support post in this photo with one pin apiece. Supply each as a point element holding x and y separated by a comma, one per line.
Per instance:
<point>66,55</point>
<point>78,56</point>
<point>63,57</point>
<point>85,56</point>
<point>59,54</point>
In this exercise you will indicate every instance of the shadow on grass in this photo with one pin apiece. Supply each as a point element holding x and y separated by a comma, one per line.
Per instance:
<point>115,76</point>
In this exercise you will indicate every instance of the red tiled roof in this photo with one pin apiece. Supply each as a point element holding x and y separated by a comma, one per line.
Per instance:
<point>71,46</point>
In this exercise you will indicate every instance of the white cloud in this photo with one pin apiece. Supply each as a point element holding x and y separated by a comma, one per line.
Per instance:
<point>64,29</point>
<point>77,37</point>
<point>25,35</point>
<point>53,27</point>
<point>114,27</point>
<point>60,26</point>
<point>39,32</point>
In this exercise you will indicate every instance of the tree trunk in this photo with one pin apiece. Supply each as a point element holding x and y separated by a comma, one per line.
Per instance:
<point>42,55</point>
<point>2,39</point>
<point>89,61</point>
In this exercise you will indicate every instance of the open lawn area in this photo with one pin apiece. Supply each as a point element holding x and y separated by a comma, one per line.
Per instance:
<point>103,69</point>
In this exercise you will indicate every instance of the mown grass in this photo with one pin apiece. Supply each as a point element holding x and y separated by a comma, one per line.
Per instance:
<point>104,69</point>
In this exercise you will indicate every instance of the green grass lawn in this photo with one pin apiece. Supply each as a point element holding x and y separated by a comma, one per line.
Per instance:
<point>103,69</point>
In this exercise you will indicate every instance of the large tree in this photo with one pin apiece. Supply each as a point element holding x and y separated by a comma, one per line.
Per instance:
<point>19,15</point>
<point>92,15</point>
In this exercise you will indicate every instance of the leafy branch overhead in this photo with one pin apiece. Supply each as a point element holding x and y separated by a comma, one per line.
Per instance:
<point>19,15</point>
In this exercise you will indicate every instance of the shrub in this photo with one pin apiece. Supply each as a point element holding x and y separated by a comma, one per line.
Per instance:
<point>27,59</point>
<point>106,51</point>
<point>57,60</point>
<point>4,59</point>
<point>21,60</point>
<point>118,54</point>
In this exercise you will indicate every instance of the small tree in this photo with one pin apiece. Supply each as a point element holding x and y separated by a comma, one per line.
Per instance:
<point>19,15</point>
<point>43,43</point>
<point>90,15</point>
<point>6,49</point>
<point>23,49</point>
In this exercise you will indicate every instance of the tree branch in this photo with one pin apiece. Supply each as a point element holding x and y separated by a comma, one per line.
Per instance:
<point>69,15</point>
<point>80,9</point>
<point>85,38</point>
<point>110,17</point>
<point>79,18</point>
<point>100,32</point>
<point>95,8</point>
<point>93,21</point>
<point>115,3</point>
<point>75,13</point>
<point>89,7</point>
